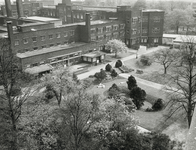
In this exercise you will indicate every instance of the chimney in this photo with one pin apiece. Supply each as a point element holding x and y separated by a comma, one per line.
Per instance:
<point>19,8</point>
<point>88,27</point>
<point>8,8</point>
<point>9,30</point>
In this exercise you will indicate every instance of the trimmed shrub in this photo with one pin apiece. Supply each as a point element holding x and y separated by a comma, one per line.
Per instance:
<point>114,73</point>
<point>145,60</point>
<point>131,83</point>
<point>118,63</point>
<point>139,96</point>
<point>158,105</point>
<point>108,67</point>
<point>100,75</point>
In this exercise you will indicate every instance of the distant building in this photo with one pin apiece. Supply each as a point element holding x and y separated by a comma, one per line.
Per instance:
<point>39,41</point>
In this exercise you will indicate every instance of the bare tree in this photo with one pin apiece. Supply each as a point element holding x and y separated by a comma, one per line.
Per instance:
<point>184,94</point>
<point>165,57</point>
<point>13,96</point>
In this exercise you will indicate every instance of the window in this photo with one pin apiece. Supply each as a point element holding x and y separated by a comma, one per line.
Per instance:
<point>100,30</point>
<point>134,20</point>
<point>34,39</point>
<point>42,38</point>
<point>134,31</point>
<point>145,19</point>
<point>108,36</point>
<point>122,33</point>
<point>82,17</point>
<point>25,41</point>
<point>44,46</point>
<point>115,27</point>
<point>157,19</point>
<point>78,16</point>
<point>127,31</point>
<point>58,35</point>
<point>100,37</point>
<point>144,40</point>
<point>115,35</point>
<point>50,36</point>
<point>144,30</point>
<point>156,40</point>
<point>65,34</point>
<point>71,32</point>
<point>155,30</point>
<point>93,31</point>
<point>16,42</point>
<point>51,45</point>
<point>122,26</point>
<point>93,38</point>
<point>35,48</point>
<point>108,28</point>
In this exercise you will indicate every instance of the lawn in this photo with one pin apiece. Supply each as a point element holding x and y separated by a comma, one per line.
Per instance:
<point>148,120</point>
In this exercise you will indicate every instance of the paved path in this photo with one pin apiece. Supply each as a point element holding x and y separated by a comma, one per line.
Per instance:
<point>94,69</point>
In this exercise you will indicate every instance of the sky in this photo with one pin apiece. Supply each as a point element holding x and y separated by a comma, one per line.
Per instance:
<point>2,1</point>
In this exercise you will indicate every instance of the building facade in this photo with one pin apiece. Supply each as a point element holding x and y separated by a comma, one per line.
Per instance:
<point>38,43</point>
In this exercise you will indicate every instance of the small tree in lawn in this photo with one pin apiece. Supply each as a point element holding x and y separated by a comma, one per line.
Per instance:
<point>108,67</point>
<point>116,46</point>
<point>118,64</point>
<point>100,75</point>
<point>139,96</point>
<point>131,83</point>
<point>165,57</point>
<point>114,73</point>
<point>158,105</point>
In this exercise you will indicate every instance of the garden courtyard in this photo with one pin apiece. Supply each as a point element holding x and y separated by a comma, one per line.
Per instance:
<point>156,120</point>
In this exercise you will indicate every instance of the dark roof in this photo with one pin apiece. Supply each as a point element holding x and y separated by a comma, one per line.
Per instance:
<point>49,50</point>
<point>39,69</point>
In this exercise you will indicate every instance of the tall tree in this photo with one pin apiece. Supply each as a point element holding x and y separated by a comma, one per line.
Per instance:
<point>14,93</point>
<point>116,46</point>
<point>184,78</point>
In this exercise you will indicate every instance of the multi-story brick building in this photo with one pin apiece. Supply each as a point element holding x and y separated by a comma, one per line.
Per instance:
<point>152,27</point>
<point>39,43</point>
<point>28,9</point>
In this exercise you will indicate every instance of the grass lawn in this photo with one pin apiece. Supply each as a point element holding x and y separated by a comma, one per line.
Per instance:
<point>148,120</point>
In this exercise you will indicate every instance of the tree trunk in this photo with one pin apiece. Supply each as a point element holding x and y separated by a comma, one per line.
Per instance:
<point>177,27</point>
<point>189,115</point>
<point>165,70</point>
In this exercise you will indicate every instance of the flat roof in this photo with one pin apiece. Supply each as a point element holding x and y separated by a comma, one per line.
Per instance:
<point>152,10</point>
<point>41,19</point>
<point>185,39</point>
<point>32,24</point>
<point>49,50</point>
<point>93,54</point>
<point>92,22</point>
<point>39,69</point>
<point>93,8</point>
<point>170,35</point>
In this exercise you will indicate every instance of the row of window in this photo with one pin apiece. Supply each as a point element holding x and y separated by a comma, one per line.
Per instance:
<point>107,36</point>
<point>154,30</point>
<point>55,59</point>
<point>155,19</point>
<point>78,16</point>
<point>107,29</point>
<point>43,38</point>
<point>41,47</point>
<point>145,40</point>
